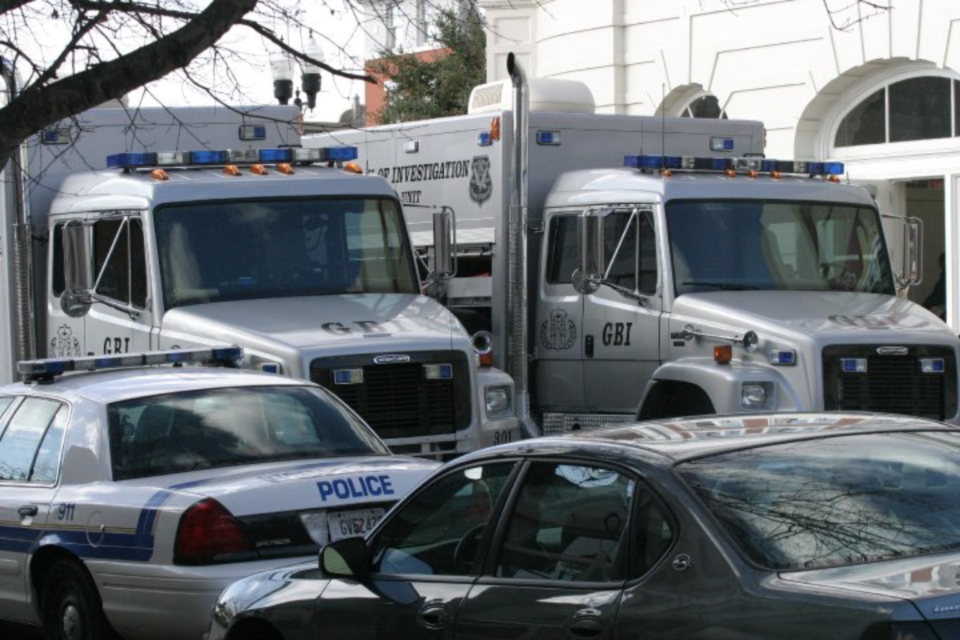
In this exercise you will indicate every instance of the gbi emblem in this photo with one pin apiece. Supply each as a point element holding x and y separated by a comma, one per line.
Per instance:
<point>481,185</point>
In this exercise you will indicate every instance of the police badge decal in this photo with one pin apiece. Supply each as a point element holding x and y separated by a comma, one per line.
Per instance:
<point>481,186</point>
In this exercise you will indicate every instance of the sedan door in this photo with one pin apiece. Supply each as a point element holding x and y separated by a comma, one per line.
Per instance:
<point>31,437</point>
<point>422,562</point>
<point>560,559</point>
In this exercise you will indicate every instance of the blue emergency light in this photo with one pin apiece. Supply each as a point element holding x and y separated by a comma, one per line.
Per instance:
<point>339,154</point>
<point>47,369</point>
<point>212,158</point>
<point>759,165</point>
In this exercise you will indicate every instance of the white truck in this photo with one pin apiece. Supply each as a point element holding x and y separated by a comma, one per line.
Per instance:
<point>657,267</point>
<point>134,244</point>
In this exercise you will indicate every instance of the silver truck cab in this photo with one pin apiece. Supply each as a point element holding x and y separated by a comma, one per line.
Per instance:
<point>726,291</point>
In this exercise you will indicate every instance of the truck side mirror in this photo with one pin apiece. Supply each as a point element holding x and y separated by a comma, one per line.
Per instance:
<point>77,270</point>
<point>444,244</point>
<point>912,273</point>
<point>591,256</point>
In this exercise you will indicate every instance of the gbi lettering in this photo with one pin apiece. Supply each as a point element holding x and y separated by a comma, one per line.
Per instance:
<point>361,487</point>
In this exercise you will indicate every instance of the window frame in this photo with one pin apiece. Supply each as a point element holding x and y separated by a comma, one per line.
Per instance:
<point>7,417</point>
<point>626,564</point>
<point>374,546</point>
<point>862,92</point>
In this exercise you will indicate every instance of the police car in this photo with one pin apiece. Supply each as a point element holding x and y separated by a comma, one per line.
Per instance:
<point>130,497</point>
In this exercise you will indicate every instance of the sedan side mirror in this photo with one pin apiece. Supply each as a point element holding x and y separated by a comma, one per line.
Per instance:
<point>345,558</point>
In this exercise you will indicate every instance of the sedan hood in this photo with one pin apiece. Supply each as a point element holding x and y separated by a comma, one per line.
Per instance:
<point>290,508</point>
<point>309,484</point>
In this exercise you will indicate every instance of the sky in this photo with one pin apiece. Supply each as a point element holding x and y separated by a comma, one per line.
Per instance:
<point>342,43</point>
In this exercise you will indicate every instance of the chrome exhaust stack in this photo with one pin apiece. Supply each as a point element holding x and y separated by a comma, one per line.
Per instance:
<point>517,357</point>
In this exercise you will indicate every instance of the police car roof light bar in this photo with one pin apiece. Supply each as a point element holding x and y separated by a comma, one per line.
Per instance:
<point>47,369</point>
<point>761,165</point>
<point>212,158</point>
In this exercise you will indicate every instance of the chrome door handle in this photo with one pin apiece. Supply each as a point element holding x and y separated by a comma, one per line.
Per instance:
<point>28,511</point>
<point>434,615</point>
<point>585,623</point>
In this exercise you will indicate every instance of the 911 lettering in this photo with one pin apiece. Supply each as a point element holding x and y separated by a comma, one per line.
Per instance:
<point>361,487</point>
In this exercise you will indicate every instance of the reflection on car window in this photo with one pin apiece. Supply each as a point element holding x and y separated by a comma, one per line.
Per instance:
<point>836,501</point>
<point>567,524</point>
<point>22,438</point>
<point>224,427</point>
<point>438,532</point>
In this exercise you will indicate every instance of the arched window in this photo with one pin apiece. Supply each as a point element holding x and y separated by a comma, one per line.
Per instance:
<point>922,108</point>
<point>704,107</point>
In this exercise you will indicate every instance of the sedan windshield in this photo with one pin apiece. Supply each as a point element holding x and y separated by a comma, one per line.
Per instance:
<point>764,245</point>
<point>180,432</point>
<point>219,251</point>
<point>836,501</point>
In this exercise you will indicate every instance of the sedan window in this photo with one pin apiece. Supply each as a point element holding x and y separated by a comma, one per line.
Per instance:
<point>23,437</point>
<point>836,501</point>
<point>438,532</point>
<point>567,524</point>
<point>212,428</point>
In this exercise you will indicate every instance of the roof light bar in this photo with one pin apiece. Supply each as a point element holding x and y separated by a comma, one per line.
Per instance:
<point>761,165</point>
<point>47,369</point>
<point>208,158</point>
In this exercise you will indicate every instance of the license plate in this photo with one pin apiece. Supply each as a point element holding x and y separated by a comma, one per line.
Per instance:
<point>344,524</point>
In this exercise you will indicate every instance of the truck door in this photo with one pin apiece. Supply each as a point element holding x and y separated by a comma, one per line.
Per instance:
<point>119,319</point>
<point>558,326</point>
<point>621,328</point>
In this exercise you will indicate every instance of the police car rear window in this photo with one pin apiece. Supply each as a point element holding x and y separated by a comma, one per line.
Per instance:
<point>227,427</point>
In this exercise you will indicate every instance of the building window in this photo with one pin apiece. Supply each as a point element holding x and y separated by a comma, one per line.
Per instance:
<point>704,107</point>
<point>390,23</point>
<point>421,24</point>
<point>923,108</point>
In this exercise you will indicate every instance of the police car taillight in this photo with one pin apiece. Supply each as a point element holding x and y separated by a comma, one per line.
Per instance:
<point>208,533</point>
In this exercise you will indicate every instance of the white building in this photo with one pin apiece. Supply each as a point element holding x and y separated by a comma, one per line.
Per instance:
<point>832,79</point>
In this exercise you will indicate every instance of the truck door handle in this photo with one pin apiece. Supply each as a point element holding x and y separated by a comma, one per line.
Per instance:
<point>434,615</point>
<point>585,623</point>
<point>28,511</point>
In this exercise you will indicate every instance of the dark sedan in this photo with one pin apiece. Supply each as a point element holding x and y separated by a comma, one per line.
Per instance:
<point>760,527</point>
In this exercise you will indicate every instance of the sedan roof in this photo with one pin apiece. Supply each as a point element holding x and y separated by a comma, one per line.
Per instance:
<point>684,438</point>
<point>123,384</point>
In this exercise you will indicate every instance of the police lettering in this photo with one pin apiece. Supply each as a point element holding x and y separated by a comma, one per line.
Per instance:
<point>365,486</point>
<point>617,334</point>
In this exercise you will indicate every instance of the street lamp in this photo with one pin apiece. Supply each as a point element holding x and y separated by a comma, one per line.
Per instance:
<point>282,67</point>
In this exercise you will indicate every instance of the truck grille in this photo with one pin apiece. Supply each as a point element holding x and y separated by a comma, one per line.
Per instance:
<point>892,382</point>
<point>397,398</point>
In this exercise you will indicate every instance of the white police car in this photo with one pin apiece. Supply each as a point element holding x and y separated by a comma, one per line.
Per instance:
<point>130,498</point>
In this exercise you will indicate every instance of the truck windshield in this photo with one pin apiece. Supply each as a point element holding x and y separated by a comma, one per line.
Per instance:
<point>220,251</point>
<point>762,244</point>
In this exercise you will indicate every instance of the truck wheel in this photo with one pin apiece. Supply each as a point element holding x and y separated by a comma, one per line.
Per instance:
<point>70,607</point>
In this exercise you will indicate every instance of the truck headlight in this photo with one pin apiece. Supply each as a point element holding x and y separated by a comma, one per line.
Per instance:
<point>755,395</point>
<point>498,400</point>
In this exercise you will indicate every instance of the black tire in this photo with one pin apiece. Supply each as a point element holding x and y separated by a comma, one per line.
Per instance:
<point>70,606</point>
